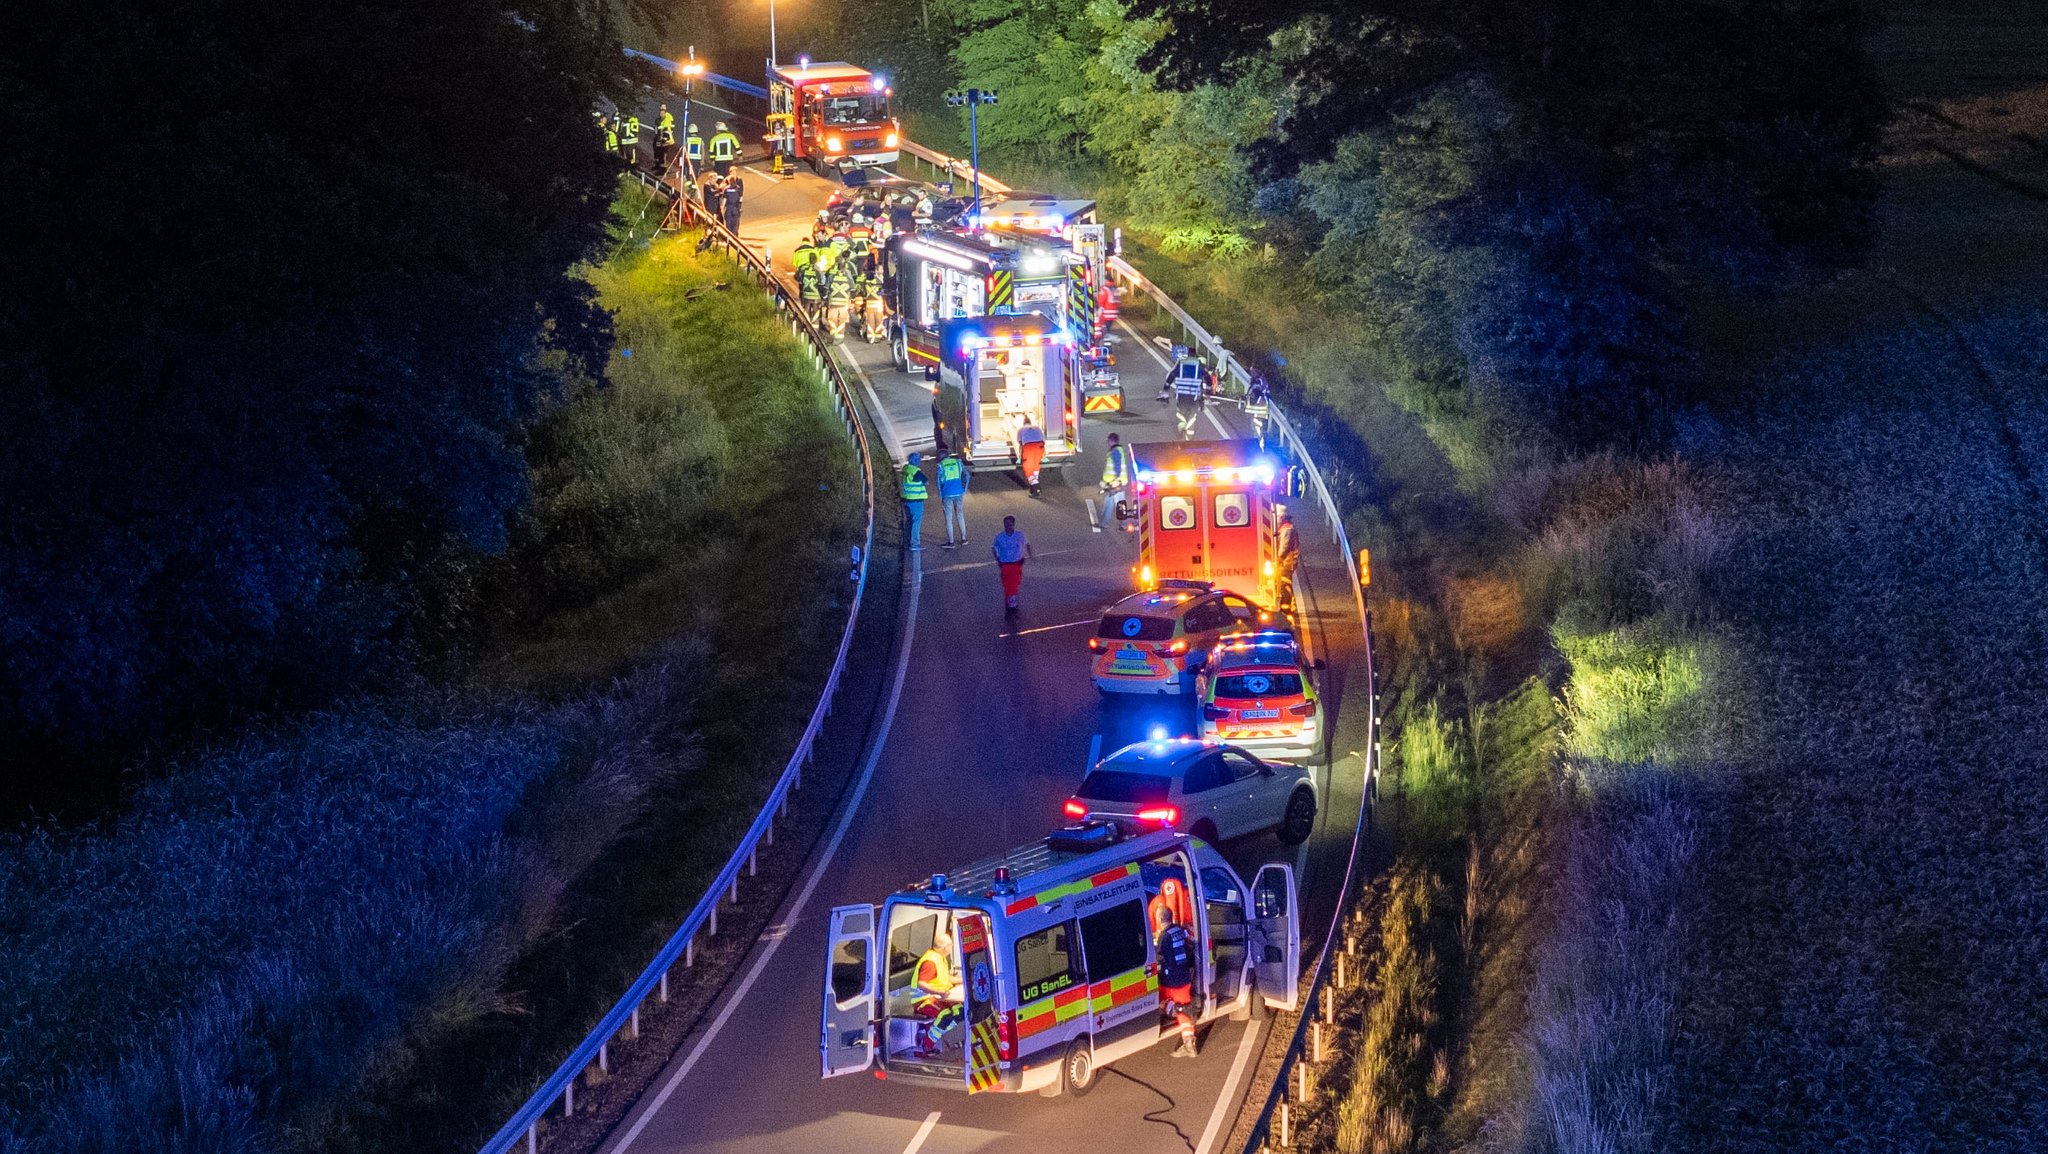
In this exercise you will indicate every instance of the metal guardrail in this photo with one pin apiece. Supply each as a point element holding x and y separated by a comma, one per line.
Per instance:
<point>595,1048</point>
<point>710,79</point>
<point>954,167</point>
<point>1277,1105</point>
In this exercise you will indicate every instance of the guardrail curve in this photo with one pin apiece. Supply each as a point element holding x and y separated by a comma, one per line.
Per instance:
<point>703,917</point>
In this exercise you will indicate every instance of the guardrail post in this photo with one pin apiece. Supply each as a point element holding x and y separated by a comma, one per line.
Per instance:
<point>664,985</point>
<point>752,855</point>
<point>734,893</point>
<point>604,1058</point>
<point>1286,1137</point>
<point>690,952</point>
<point>636,1023</point>
<point>713,931</point>
<point>569,1097</point>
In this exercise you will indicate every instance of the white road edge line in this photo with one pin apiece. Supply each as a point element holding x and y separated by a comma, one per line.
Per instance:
<point>803,897</point>
<point>771,178</point>
<point>1214,423</point>
<point>1229,1094</point>
<point>1149,346</point>
<point>931,1122</point>
<point>875,399</point>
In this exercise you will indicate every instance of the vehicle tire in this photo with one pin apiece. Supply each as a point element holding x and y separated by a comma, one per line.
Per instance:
<point>1300,818</point>
<point>1206,830</point>
<point>898,354</point>
<point>1077,1069</point>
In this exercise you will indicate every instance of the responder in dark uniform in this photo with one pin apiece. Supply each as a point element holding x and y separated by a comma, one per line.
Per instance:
<point>1186,383</point>
<point>730,196</point>
<point>1175,952</point>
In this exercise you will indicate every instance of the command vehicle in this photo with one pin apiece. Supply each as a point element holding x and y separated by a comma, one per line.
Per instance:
<point>1054,961</point>
<point>1208,511</point>
<point>1213,791</point>
<point>837,115</point>
<point>1151,642</point>
<point>1258,691</point>
<point>1004,369</point>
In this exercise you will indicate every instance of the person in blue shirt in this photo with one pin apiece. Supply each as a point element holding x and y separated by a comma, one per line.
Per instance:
<point>953,482</point>
<point>1012,548</point>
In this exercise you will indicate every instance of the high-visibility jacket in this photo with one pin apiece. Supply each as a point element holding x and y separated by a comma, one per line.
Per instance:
<point>632,133</point>
<point>665,131</point>
<point>1116,468</point>
<point>839,287</point>
<point>915,489</point>
<point>805,257</point>
<point>693,145</point>
<point>724,145</point>
<point>952,477</point>
<point>611,138</point>
<point>860,239</point>
<point>1187,377</point>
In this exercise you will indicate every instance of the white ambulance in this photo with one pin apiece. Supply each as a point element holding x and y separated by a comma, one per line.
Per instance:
<point>1050,961</point>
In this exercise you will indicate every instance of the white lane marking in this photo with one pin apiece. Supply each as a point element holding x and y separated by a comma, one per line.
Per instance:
<point>803,897</point>
<point>897,450</point>
<point>1229,1093</point>
<point>1094,515</point>
<point>714,107</point>
<point>931,1122</point>
<point>1050,628</point>
<point>770,177</point>
<point>1094,752</point>
<point>1149,346</point>
<point>1214,423</point>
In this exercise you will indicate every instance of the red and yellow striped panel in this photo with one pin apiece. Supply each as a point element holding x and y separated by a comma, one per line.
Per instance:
<point>1045,1013</point>
<point>1128,986</point>
<point>1103,403</point>
<point>1082,886</point>
<point>982,1072</point>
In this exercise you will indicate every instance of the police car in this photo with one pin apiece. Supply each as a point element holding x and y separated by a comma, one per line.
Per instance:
<point>1049,960</point>
<point>1257,692</point>
<point>1152,642</point>
<point>1213,791</point>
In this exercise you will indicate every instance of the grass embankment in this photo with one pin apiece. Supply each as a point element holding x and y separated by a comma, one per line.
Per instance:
<point>370,929</point>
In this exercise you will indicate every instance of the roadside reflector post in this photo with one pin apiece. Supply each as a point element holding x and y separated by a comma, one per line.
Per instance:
<point>604,1058</point>
<point>569,1097</point>
<point>1365,568</point>
<point>636,1023</point>
<point>1286,1138</point>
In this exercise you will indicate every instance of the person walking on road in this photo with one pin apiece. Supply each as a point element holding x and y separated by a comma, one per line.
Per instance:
<point>1116,478</point>
<point>1012,548</point>
<point>731,194</point>
<point>1030,451</point>
<point>953,483</point>
<point>916,491</point>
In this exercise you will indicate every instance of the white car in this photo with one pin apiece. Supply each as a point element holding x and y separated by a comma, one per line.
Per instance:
<point>1210,790</point>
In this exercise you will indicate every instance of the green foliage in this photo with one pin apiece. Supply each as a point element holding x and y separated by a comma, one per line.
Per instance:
<point>1632,697</point>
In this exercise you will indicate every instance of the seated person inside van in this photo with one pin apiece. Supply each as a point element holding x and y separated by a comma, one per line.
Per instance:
<point>938,993</point>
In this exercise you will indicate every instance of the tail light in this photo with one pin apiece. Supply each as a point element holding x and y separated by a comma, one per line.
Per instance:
<point>1305,709</point>
<point>1213,713</point>
<point>1095,645</point>
<point>1074,808</point>
<point>1070,416</point>
<point>1006,1036</point>
<point>1164,814</point>
<point>1175,649</point>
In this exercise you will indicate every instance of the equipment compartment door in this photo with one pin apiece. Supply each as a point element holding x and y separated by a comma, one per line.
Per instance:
<point>847,1036</point>
<point>1277,920</point>
<point>977,974</point>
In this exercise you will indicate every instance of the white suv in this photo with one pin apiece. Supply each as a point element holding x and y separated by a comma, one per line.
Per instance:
<point>1212,791</point>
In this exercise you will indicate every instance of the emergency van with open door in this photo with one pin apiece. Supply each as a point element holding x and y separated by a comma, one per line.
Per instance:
<point>1034,969</point>
<point>1005,369</point>
<point>1208,511</point>
<point>934,276</point>
<point>838,114</point>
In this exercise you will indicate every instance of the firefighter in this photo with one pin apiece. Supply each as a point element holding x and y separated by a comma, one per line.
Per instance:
<point>665,137</point>
<point>1257,398</point>
<point>725,148</point>
<point>821,229</point>
<point>611,134</point>
<point>1030,451</point>
<point>938,992</point>
<point>1116,479</point>
<point>1286,555</point>
<point>693,148</point>
<point>804,263</point>
<point>1186,382</point>
<point>1175,953</point>
<point>916,489</point>
<point>629,140</point>
<point>867,290</point>
<point>838,296</point>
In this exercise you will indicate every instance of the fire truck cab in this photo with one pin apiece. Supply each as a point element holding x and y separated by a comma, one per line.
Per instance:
<point>1209,511</point>
<point>1033,970</point>
<point>837,114</point>
<point>1006,368</point>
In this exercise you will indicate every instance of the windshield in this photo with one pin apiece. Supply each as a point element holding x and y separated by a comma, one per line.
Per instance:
<point>1259,685</point>
<point>1131,627</point>
<point>853,108</point>
<point>1117,785</point>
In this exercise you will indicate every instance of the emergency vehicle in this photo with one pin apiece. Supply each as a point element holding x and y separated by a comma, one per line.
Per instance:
<point>1052,961</point>
<point>934,277</point>
<point>1004,369</point>
<point>1209,511</point>
<point>836,114</point>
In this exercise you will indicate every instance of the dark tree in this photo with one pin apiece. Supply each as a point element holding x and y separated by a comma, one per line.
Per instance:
<point>276,281</point>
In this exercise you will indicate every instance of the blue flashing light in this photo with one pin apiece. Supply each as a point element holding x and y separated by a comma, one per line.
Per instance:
<point>1158,733</point>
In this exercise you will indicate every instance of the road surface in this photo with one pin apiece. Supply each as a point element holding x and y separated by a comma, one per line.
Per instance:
<point>990,731</point>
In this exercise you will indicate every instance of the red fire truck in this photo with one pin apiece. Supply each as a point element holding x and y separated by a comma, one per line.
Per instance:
<point>838,115</point>
<point>1209,511</point>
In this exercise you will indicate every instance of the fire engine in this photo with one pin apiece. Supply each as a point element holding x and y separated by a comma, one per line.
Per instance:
<point>836,114</point>
<point>1006,368</point>
<point>1209,511</point>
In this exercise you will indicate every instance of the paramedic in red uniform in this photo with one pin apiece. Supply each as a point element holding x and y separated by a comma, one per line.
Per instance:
<point>1030,451</point>
<point>1176,954</point>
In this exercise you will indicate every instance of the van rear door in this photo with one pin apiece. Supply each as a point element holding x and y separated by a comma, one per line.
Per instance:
<point>1277,920</point>
<point>847,1032</point>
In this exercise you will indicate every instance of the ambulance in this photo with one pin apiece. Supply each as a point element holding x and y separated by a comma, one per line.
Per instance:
<point>836,115</point>
<point>1051,959</point>
<point>935,276</point>
<point>1003,370</point>
<point>1209,511</point>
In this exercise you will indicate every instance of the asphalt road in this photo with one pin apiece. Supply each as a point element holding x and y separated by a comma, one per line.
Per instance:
<point>990,732</point>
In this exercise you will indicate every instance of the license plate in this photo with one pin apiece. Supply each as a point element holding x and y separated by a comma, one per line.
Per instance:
<point>1258,714</point>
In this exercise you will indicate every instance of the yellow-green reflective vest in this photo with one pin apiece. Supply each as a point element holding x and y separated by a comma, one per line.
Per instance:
<point>665,131</point>
<point>913,484</point>
<point>632,133</point>
<point>724,146</point>
<point>1116,468</point>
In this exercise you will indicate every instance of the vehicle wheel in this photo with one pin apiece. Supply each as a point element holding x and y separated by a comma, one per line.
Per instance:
<point>898,355</point>
<point>1077,1069</point>
<point>1300,818</point>
<point>1206,830</point>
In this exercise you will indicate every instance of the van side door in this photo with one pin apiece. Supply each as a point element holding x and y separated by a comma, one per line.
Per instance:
<point>847,1026</point>
<point>1276,920</point>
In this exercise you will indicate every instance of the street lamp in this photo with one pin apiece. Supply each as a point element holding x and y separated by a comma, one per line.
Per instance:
<point>771,35</point>
<point>973,98</point>
<point>690,70</point>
